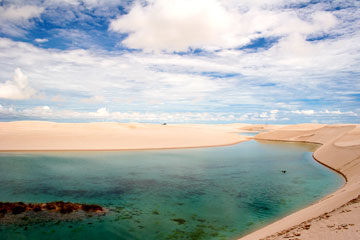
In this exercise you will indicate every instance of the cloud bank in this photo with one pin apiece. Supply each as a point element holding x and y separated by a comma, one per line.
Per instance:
<point>178,25</point>
<point>103,114</point>
<point>17,88</point>
<point>224,60</point>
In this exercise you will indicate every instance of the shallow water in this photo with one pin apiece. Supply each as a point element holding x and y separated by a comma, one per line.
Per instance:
<point>205,193</point>
<point>251,134</point>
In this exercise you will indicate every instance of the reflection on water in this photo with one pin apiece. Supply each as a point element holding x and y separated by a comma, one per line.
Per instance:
<point>208,193</point>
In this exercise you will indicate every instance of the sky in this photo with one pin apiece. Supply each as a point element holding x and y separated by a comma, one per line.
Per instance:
<point>180,61</point>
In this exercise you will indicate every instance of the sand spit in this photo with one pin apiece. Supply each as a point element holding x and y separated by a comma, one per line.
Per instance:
<point>337,215</point>
<point>50,136</point>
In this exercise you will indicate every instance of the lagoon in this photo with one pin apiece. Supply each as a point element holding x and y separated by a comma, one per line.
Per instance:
<point>203,193</point>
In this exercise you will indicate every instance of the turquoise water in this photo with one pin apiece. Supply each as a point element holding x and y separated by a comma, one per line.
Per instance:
<point>205,193</point>
<point>252,134</point>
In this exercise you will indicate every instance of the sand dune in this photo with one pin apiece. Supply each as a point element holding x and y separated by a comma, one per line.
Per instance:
<point>36,135</point>
<point>341,152</point>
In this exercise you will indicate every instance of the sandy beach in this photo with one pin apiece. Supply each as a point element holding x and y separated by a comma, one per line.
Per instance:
<point>334,217</point>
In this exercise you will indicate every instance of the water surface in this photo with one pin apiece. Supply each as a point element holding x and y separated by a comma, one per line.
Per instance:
<point>205,193</point>
<point>252,134</point>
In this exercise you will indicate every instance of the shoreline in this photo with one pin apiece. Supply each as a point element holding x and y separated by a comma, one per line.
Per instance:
<point>295,222</point>
<point>121,149</point>
<point>332,169</point>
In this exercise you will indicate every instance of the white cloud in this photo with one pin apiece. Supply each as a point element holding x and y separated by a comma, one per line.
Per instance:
<point>304,112</point>
<point>326,112</point>
<point>10,111</point>
<point>41,40</point>
<point>101,112</point>
<point>38,112</point>
<point>266,116</point>
<point>45,112</point>
<point>338,112</point>
<point>18,88</point>
<point>175,25</point>
<point>15,19</point>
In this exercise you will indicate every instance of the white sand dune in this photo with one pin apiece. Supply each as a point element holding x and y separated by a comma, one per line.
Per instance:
<point>340,151</point>
<point>36,135</point>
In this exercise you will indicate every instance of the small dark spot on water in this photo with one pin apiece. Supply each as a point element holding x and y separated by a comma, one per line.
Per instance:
<point>155,212</point>
<point>180,221</point>
<point>241,195</point>
<point>260,206</point>
<point>195,193</point>
<point>197,234</point>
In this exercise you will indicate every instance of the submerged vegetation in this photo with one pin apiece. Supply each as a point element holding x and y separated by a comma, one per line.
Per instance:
<point>60,207</point>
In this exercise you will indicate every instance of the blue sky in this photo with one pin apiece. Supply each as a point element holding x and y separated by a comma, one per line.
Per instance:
<point>201,61</point>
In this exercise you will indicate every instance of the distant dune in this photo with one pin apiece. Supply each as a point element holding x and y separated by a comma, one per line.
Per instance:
<point>40,136</point>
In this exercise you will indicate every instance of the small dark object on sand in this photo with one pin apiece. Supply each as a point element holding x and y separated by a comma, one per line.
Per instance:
<point>283,171</point>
